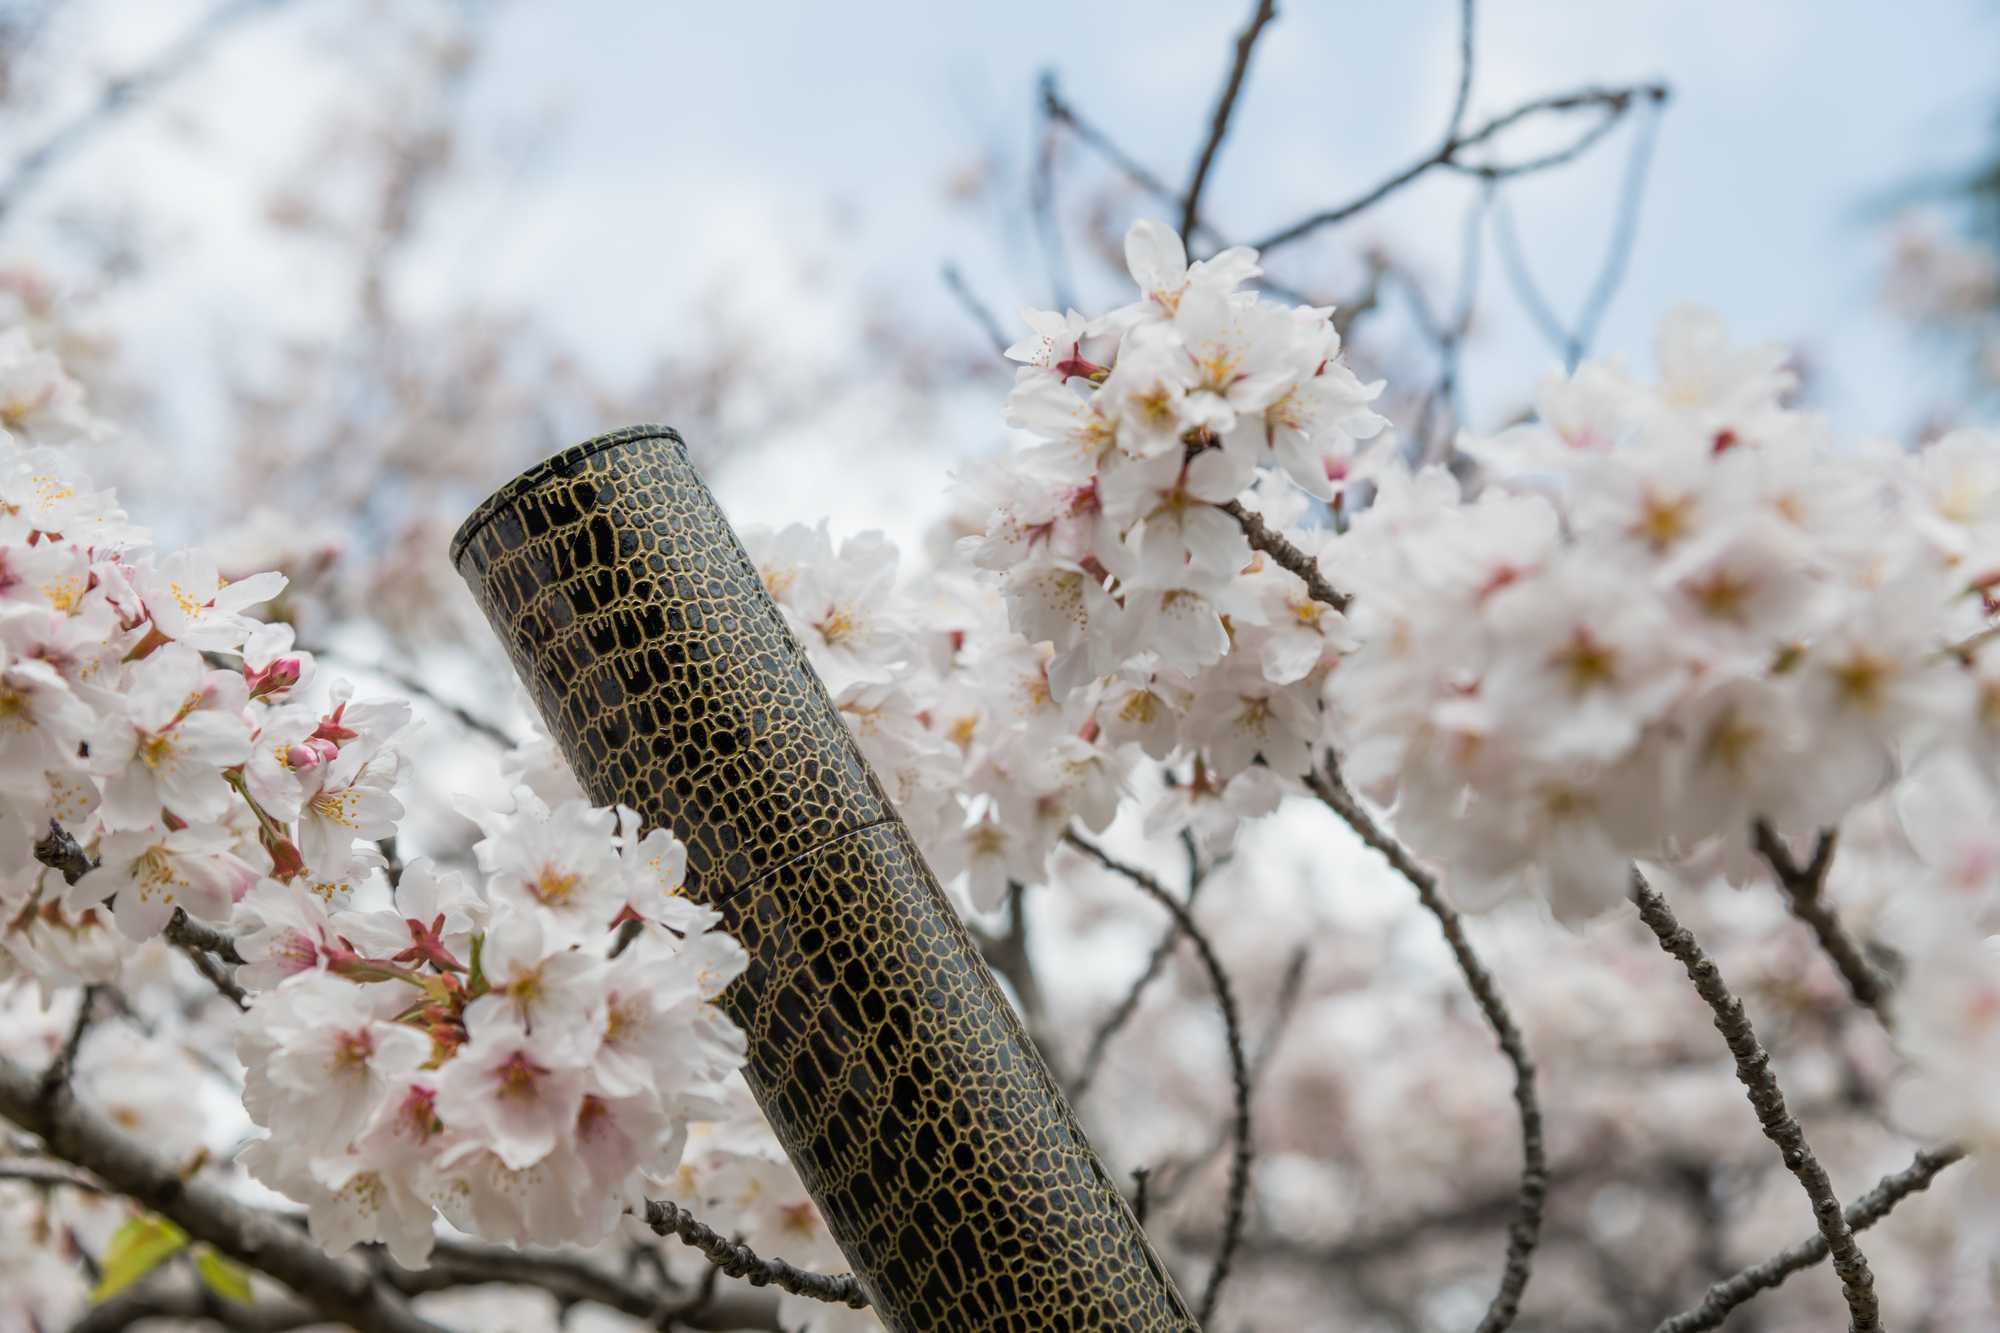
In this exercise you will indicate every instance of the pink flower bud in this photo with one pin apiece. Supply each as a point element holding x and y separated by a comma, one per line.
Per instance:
<point>276,678</point>
<point>310,754</point>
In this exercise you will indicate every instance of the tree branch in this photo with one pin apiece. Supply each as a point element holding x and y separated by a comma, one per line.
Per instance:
<point>56,1077</point>
<point>1753,1070</point>
<point>265,1241</point>
<point>1614,102</point>
<point>1805,889</point>
<point>1273,543</point>
<point>204,946</point>
<point>1464,97</point>
<point>1115,1022</point>
<point>157,1300</point>
<point>1245,40</point>
<point>189,933</point>
<point>1865,1212</point>
<point>1239,1174</point>
<point>35,1171</point>
<point>61,851</point>
<point>975,307</point>
<point>668,1219</point>
<point>1526,1230</point>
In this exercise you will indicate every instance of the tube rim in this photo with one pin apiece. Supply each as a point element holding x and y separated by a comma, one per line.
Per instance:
<point>565,464</point>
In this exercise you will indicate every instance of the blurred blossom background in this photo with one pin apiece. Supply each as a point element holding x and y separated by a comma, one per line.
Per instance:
<point>341,268</point>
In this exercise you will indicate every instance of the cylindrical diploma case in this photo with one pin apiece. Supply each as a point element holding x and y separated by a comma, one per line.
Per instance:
<point>945,1161</point>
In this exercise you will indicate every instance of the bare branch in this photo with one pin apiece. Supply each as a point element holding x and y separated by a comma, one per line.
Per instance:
<point>1753,1070</point>
<point>1245,40</point>
<point>1805,890</point>
<point>56,1077</point>
<point>1239,1174</point>
<point>1281,1012</point>
<point>37,1171</point>
<point>265,1241</point>
<point>1464,97</point>
<point>1115,1022</point>
<point>457,1263</point>
<point>1273,543</point>
<point>668,1219</point>
<point>1623,233</point>
<point>189,933</point>
<point>1042,203</point>
<point>157,1300</point>
<point>207,948</point>
<point>1863,1213</point>
<point>1613,103</point>
<point>1574,344</point>
<point>61,851</point>
<point>121,95</point>
<point>1060,112</point>
<point>975,307</point>
<point>1526,1230</point>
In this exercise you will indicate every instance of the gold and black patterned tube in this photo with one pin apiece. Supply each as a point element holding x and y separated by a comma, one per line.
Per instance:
<point>944,1159</point>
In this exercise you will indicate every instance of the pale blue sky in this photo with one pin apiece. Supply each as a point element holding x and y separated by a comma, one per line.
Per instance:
<point>689,128</point>
<point>626,158</point>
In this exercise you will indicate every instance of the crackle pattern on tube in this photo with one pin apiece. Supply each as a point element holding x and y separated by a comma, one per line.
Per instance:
<point>947,1165</point>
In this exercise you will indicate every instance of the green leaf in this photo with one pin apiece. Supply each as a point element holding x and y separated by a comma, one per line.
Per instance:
<point>223,1276</point>
<point>136,1249</point>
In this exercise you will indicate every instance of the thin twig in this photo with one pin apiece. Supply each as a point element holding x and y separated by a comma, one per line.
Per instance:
<point>1042,204</point>
<point>1239,1067</point>
<point>975,307</point>
<point>56,1077</point>
<point>1805,894</point>
<point>1281,1012</point>
<point>1114,1023</point>
<point>1464,98</point>
<point>1753,1070</point>
<point>1624,232</point>
<point>77,1134</point>
<point>1224,105</point>
<point>1526,1230</point>
<point>1141,1177</point>
<point>1863,1213</point>
<point>1274,544</point>
<point>668,1219</point>
<point>1451,340</point>
<point>1060,112</point>
<point>1614,102</point>
<point>1574,344</point>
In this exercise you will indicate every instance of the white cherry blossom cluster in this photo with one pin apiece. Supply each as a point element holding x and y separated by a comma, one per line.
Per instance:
<point>143,713</point>
<point>523,1055</point>
<point>1654,617</point>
